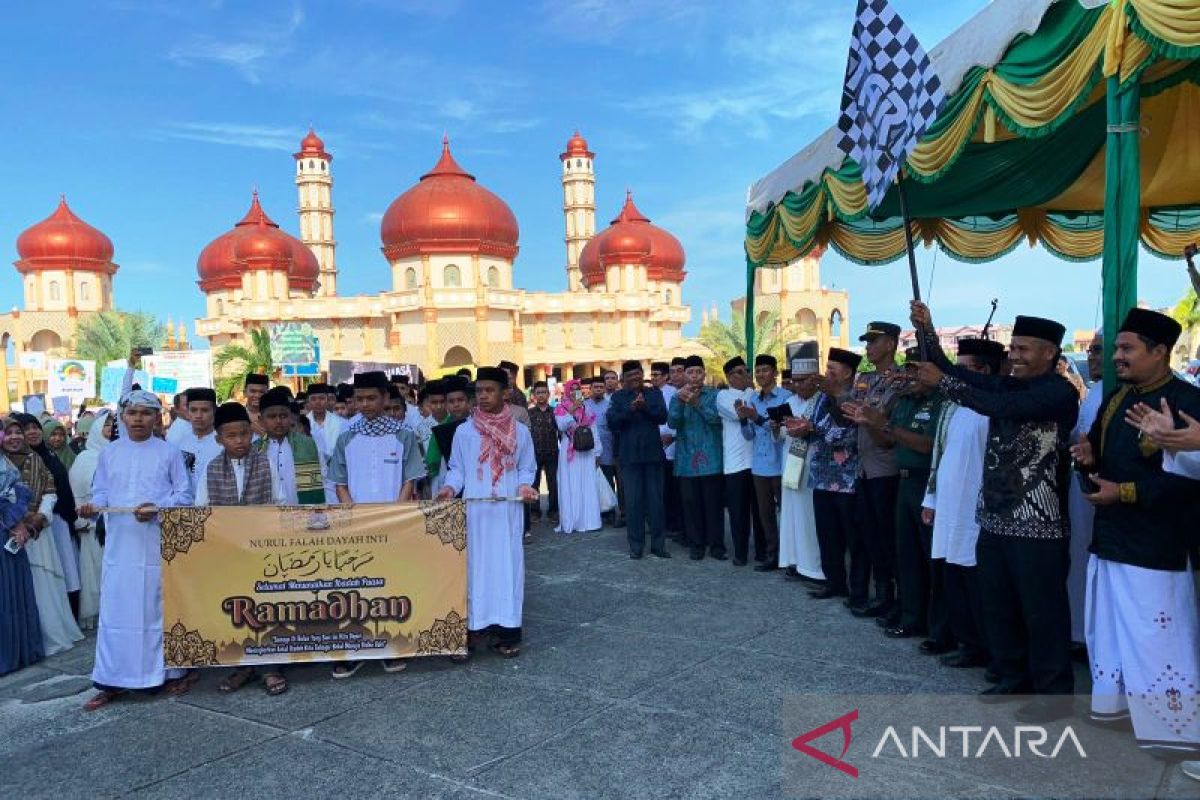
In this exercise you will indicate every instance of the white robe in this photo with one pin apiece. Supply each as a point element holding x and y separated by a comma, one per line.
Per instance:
<point>283,473</point>
<point>91,554</point>
<point>959,478</point>
<point>1143,637</point>
<point>204,449</point>
<point>374,469</point>
<point>1081,514</point>
<point>325,435</point>
<point>578,498</point>
<point>1185,464</point>
<point>129,645</point>
<point>495,552</point>
<point>59,631</point>
<point>798,545</point>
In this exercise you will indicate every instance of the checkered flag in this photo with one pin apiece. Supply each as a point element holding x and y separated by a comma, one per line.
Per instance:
<point>890,98</point>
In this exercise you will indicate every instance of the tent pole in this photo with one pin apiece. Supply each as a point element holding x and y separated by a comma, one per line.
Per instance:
<point>912,258</point>
<point>1122,212</point>
<point>748,322</point>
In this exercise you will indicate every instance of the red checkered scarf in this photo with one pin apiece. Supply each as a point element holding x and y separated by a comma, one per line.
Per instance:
<point>498,433</point>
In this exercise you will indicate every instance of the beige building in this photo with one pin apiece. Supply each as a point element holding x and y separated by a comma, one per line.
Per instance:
<point>806,309</point>
<point>453,298</point>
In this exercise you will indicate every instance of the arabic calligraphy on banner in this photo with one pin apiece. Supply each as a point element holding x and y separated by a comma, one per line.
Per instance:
<point>266,584</point>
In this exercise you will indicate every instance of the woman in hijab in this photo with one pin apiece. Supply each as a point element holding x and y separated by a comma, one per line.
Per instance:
<point>83,427</point>
<point>55,436</point>
<point>578,497</point>
<point>62,521</point>
<point>20,630</point>
<point>91,554</point>
<point>59,631</point>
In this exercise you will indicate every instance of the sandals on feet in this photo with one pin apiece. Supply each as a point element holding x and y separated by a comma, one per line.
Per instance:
<point>236,680</point>
<point>181,686</point>
<point>507,650</point>
<point>274,683</point>
<point>100,700</point>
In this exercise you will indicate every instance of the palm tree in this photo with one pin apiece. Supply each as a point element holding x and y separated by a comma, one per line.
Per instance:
<point>112,335</point>
<point>1187,311</point>
<point>725,341</point>
<point>235,361</point>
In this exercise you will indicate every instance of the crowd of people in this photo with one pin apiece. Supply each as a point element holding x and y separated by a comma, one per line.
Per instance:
<point>974,505</point>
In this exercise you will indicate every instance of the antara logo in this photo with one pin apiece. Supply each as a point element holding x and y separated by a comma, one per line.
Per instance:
<point>842,723</point>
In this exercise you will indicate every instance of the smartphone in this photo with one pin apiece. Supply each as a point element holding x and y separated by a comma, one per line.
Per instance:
<point>144,350</point>
<point>1086,484</point>
<point>12,545</point>
<point>779,413</point>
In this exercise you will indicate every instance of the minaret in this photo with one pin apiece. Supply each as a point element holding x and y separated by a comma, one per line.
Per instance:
<point>579,204</point>
<point>314,181</point>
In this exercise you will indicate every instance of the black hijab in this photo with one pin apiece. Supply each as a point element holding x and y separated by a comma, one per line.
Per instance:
<point>65,506</point>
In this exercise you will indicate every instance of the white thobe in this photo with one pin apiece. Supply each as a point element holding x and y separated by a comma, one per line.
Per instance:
<point>578,497</point>
<point>129,645</point>
<point>203,449</point>
<point>180,428</point>
<point>668,391</point>
<point>495,551</point>
<point>376,467</point>
<point>59,631</point>
<point>798,545</point>
<point>1184,464</point>
<point>955,531</point>
<point>1081,513</point>
<point>283,472</point>
<point>325,435</point>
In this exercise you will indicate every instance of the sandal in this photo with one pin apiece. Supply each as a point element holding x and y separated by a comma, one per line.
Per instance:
<point>274,683</point>
<point>101,699</point>
<point>236,680</point>
<point>181,686</point>
<point>506,650</point>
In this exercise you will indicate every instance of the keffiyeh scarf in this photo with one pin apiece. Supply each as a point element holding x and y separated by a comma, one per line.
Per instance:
<point>383,425</point>
<point>499,435</point>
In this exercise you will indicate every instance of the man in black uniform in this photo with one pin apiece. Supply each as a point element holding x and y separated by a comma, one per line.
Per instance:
<point>1022,551</point>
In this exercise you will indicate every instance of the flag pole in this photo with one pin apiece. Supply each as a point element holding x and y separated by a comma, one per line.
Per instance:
<point>912,259</point>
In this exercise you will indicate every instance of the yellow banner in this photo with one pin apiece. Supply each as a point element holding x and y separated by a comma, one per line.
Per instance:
<point>267,584</point>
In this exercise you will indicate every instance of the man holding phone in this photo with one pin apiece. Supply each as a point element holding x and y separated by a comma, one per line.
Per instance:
<point>766,412</point>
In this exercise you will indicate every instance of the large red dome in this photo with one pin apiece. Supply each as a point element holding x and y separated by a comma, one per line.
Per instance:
<point>631,239</point>
<point>64,241</point>
<point>256,243</point>
<point>448,212</point>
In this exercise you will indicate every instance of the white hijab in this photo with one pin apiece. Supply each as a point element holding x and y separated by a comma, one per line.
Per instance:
<point>85,463</point>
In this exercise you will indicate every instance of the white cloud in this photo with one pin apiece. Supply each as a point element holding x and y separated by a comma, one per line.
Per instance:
<point>262,137</point>
<point>250,56</point>
<point>373,217</point>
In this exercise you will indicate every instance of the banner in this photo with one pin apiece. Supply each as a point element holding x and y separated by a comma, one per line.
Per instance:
<point>295,348</point>
<point>189,368</point>
<point>74,379</point>
<point>113,377</point>
<point>344,371</point>
<point>34,362</point>
<point>269,584</point>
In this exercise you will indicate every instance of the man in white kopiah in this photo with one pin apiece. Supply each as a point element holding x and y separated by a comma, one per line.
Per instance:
<point>145,473</point>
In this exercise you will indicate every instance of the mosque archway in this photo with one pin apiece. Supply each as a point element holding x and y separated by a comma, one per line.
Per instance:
<point>806,318</point>
<point>44,341</point>
<point>458,356</point>
<point>835,323</point>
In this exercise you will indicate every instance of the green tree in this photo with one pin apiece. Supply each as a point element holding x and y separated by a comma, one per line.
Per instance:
<point>234,362</point>
<point>1187,311</point>
<point>725,341</point>
<point>111,335</point>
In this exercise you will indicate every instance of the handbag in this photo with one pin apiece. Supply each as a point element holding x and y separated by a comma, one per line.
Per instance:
<point>608,498</point>
<point>582,439</point>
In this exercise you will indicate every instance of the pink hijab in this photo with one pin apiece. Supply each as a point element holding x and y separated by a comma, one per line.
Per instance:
<point>566,406</point>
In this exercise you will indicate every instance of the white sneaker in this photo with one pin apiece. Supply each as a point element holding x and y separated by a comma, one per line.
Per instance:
<point>391,665</point>
<point>1191,769</point>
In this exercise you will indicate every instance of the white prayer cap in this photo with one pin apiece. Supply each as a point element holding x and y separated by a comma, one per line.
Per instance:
<point>140,397</point>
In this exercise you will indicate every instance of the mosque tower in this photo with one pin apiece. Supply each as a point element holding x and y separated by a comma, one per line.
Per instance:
<point>579,204</point>
<point>314,182</point>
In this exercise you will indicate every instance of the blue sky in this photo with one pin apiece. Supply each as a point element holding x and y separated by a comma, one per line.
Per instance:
<point>157,119</point>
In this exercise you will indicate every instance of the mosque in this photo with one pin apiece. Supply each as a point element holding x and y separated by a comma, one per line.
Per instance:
<point>453,299</point>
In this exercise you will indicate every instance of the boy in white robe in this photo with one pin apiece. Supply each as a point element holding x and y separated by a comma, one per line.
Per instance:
<point>199,444</point>
<point>376,461</point>
<point>492,457</point>
<point>141,471</point>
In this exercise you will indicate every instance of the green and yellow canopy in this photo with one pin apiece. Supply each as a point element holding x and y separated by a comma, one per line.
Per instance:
<point>1083,136</point>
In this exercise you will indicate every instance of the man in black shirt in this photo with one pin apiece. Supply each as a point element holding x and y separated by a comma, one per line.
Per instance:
<point>1143,634</point>
<point>1022,551</point>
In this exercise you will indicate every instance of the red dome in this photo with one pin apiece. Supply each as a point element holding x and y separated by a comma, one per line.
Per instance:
<point>255,243</point>
<point>448,212</point>
<point>312,146</point>
<point>577,147</point>
<point>64,241</point>
<point>631,239</point>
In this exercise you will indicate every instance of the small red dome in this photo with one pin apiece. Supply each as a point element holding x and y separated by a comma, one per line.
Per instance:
<point>448,212</point>
<point>577,147</point>
<point>64,241</point>
<point>311,146</point>
<point>631,239</point>
<point>255,243</point>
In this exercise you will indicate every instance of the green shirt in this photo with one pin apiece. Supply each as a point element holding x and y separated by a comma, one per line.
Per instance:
<point>918,415</point>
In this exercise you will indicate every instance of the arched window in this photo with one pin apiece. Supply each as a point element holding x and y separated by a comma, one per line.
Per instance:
<point>311,165</point>
<point>452,277</point>
<point>667,297</point>
<point>493,278</point>
<point>807,321</point>
<point>410,278</point>
<point>322,166</point>
<point>578,163</point>
<point>55,291</point>
<point>835,323</point>
<point>85,291</point>
<point>220,307</point>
